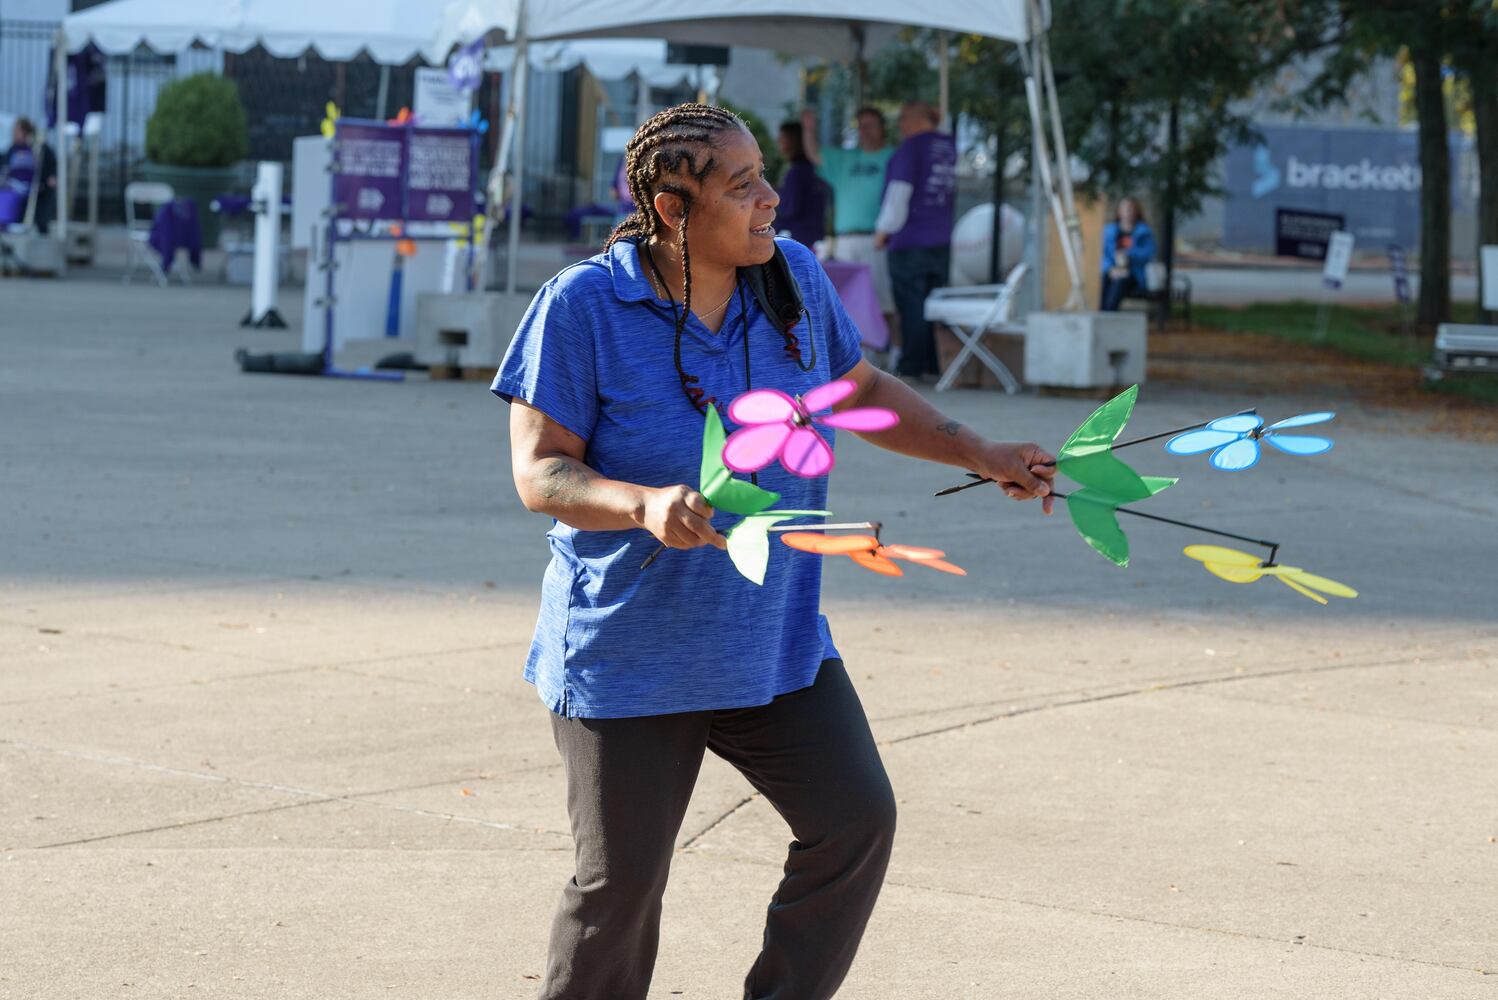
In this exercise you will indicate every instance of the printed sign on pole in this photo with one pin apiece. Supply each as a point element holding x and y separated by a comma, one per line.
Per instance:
<point>1401,271</point>
<point>439,185</point>
<point>1489,257</point>
<point>368,163</point>
<point>1338,257</point>
<point>437,101</point>
<point>1304,234</point>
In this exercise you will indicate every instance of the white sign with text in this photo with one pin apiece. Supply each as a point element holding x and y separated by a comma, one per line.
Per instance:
<point>1338,257</point>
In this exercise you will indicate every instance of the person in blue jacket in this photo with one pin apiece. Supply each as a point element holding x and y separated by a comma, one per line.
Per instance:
<point>1128,245</point>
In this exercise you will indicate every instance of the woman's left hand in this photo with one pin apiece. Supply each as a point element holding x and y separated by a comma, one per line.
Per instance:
<point>1023,470</point>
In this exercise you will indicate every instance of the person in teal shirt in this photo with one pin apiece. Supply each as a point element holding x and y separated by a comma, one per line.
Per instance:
<point>856,177</point>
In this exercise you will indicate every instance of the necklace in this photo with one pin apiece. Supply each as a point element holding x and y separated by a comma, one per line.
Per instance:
<point>665,293</point>
<point>694,393</point>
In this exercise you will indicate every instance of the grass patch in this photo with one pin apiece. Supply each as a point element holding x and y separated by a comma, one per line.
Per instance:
<point>1367,333</point>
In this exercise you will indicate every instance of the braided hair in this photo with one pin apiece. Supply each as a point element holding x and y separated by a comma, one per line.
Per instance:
<point>674,152</point>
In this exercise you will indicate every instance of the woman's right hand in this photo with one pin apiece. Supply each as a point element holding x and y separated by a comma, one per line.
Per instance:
<point>679,517</point>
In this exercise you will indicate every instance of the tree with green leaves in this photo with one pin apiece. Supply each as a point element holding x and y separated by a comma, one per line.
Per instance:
<point>1152,91</point>
<point>1474,52</point>
<point>1424,31</point>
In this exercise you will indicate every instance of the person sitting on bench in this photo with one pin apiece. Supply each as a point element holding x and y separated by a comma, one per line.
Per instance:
<point>1128,246</point>
<point>25,164</point>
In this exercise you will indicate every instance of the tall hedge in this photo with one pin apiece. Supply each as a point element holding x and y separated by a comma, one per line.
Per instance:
<point>198,122</point>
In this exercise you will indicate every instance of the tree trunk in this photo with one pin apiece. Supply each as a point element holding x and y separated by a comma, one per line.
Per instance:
<point>1435,188</point>
<point>1482,76</point>
<point>1168,229</point>
<point>1112,167</point>
<point>996,244</point>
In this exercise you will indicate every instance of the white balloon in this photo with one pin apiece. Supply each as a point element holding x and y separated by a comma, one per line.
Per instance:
<point>972,237</point>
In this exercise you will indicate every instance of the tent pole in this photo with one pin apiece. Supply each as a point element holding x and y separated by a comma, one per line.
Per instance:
<point>1063,164</point>
<point>506,139</point>
<point>517,150</point>
<point>860,70</point>
<point>1034,77</point>
<point>60,144</point>
<point>944,77</point>
<point>383,95</point>
<point>996,246</point>
<point>642,99</point>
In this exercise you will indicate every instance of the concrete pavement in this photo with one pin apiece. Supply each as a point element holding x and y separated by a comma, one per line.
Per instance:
<point>263,735</point>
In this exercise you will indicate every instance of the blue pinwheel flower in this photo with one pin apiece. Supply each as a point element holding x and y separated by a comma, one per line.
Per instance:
<point>476,122</point>
<point>1234,441</point>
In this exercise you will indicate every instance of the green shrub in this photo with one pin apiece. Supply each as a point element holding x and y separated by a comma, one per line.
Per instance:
<point>198,122</point>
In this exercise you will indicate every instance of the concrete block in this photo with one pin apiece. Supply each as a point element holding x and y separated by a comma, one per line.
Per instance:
<point>1085,349</point>
<point>467,330</point>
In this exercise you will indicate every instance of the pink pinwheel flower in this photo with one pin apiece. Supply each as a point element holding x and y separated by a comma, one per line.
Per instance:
<point>774,425</point>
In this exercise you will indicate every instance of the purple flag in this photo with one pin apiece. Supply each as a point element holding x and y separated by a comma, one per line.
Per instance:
<point>466,67</point>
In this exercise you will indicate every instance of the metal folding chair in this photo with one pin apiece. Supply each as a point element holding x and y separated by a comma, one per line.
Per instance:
<point>971,313</point>
<point>139,250</point>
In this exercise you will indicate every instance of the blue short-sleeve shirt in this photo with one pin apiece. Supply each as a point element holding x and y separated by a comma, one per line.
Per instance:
<point>595,353</point>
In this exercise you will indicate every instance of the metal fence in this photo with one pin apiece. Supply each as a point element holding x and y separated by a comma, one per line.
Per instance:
<point>133,82</point>
<point>25,57</point>
<point>283,98</point>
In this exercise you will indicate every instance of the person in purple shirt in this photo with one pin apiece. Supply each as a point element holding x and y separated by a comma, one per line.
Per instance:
<point>803,195</point>
<point>17,172</point>
<point>915,224</point>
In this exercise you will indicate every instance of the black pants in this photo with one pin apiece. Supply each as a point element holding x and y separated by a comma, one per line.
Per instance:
<point>1115,290</point>
<point>811,755</point>
<point>913,275</point>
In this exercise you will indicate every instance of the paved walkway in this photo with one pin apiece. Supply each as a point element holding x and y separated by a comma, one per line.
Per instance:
<point>262,731</point>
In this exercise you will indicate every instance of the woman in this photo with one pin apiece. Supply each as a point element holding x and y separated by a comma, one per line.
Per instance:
<point>17,172</point>
<point>803,195</point>
<point>611,371</point>
<point>1128,246</point>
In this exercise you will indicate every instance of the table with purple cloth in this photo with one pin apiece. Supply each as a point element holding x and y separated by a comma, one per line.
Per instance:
<point>855,286</point>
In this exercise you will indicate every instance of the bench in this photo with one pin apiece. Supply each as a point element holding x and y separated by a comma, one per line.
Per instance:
<point>1180,300</point>
<point>1463,347</point>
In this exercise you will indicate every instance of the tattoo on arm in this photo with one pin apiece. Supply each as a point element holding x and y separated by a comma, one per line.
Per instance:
<point>951,427</point>
<point>563,480</point>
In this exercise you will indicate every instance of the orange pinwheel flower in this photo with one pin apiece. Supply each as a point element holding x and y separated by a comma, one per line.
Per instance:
<point>869,552</point>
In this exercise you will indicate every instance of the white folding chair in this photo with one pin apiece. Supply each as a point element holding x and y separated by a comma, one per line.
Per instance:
<point>139,250</point>
<point>972,312</point>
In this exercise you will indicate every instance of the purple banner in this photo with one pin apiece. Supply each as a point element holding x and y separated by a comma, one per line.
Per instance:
<point>440,175</point>
<point>369,160</point>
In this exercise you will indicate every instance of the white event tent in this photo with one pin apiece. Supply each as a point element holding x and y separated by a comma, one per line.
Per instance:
<point>604,58</point>
<point>392,32</point>
<point>840,30</point>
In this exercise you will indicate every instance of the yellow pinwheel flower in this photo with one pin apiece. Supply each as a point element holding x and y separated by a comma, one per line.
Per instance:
<point>1240,567</point>
<point>330,123</point>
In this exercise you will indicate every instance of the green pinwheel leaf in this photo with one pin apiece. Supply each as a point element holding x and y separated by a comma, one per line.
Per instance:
<point>717,483</point>
<point>1096,520</point>
<point>1154,484</point>
<point>749,540</point>
<point>1087,456</point>
<point>1095,515</point>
